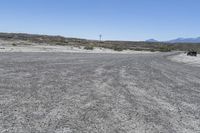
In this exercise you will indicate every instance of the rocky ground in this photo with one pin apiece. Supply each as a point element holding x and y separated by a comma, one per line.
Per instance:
<point>104,93</point>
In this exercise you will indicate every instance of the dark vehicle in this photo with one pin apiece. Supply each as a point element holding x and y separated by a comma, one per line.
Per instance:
<point>192,53</point>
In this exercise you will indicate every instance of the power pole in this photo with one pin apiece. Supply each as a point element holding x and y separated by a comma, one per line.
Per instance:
<point>100,37</point>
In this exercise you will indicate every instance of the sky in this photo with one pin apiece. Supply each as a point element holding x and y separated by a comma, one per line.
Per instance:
<point>133,20</point>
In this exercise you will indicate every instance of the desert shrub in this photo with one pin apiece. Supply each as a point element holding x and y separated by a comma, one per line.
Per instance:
<point>89,47</point>
<point>152,50</point>
<point>14,44</point>
<point>61,43</point>
<point>118,49</point>
<point>164,49</point>
<point>139,49</point>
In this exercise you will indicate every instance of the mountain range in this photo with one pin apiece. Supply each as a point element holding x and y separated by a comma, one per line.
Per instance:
<point>179,40</point>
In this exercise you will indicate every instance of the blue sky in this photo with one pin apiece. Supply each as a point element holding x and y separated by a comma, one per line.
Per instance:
<point>114,19</point>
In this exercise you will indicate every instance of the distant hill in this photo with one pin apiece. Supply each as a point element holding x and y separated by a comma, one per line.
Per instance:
<point>185,40</point>
<point>178,40</point>
<point>151,40</point>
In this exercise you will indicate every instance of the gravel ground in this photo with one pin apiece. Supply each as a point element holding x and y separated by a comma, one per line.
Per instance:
<point>97,93</point>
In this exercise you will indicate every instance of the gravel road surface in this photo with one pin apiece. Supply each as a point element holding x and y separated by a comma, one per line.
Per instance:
<point>97,93</point>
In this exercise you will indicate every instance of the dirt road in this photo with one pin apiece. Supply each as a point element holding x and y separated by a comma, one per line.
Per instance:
<point>97,93</point>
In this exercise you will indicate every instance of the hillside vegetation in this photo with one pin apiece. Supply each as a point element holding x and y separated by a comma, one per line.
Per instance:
<point>89,44</point>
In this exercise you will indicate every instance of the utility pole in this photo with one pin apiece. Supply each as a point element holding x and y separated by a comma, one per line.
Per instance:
<point>100,37</point>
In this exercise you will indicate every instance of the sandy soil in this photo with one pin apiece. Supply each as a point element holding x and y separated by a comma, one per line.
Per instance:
<point>71,49</point>
<point>190,60</point>
<point>23,46</point>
